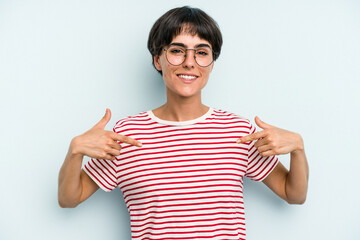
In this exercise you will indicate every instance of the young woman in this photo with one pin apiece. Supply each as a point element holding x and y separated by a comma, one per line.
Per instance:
<point>181,166</point>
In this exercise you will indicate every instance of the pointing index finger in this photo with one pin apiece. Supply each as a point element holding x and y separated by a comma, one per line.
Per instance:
<point>126,139</point>
<point>251,137</point>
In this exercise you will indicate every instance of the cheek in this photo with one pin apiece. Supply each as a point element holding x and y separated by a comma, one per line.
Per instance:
<point>167,71</point>
<point>206,75</point>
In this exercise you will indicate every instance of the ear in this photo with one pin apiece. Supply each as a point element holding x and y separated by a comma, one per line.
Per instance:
<point>157,63</point>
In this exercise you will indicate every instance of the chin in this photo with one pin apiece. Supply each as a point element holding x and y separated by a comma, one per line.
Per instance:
<point>184,93</point>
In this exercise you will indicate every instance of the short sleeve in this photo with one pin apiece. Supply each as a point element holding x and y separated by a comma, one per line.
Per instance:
<point>103,173</point>
<point>258,167</point>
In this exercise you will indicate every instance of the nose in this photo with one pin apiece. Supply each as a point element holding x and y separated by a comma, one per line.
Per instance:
<point>189,61</point>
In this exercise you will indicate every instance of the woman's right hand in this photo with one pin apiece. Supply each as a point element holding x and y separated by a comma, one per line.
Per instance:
<point>99,143</point>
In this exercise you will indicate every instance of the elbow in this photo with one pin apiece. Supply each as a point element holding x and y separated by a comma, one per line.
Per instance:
<point>67,204</point>
<point>297,201</point>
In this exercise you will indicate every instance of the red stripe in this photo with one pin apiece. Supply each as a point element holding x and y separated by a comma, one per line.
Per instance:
<point>154,140</point>
<point>193,226</point>
<point>226,123</point>
<point>187,134</point>
<point>136,127</point>
<point>186,144</point>
<point>184,150</point>
<point>188,210</point>
<point>182,188</point>
<point>222,119</point>
<point>189,216</point>
<point>188,177</point>
<point>175,194</point>
<point>191,238</point>
<point>130,206</point>
<point>190,204</point>
<point>186,221</point>
<point>193,232</point>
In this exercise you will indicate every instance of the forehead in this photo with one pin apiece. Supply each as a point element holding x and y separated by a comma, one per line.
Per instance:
<point>189,40</point>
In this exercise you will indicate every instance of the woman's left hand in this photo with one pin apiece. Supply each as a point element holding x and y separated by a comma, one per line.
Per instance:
<point>273,140</point>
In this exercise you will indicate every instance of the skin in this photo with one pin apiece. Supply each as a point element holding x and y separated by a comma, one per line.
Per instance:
<point>183,103</point>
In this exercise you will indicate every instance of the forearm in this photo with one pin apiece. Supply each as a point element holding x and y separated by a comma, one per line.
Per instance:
<point>297,179</point>
<point>70,187</point>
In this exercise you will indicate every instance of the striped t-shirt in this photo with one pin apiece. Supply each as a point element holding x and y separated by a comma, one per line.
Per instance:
<point>186,181</point>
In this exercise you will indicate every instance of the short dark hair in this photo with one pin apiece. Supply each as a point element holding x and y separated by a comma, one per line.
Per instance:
<point>192,20</point>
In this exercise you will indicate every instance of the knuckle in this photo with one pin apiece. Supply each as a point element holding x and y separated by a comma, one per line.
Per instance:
<point>102,155</point>
<point>107,149</point>
<point>117,147</point>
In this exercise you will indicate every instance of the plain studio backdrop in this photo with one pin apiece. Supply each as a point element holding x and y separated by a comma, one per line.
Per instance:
<point>62,63</point>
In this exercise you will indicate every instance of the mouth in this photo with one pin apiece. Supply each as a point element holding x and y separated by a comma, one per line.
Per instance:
<point>187,78</point>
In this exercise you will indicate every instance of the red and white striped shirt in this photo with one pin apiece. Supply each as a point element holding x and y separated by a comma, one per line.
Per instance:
<point>186,181</point>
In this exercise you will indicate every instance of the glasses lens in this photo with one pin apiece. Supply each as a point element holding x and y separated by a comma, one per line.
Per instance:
<point>175,55</point>
<point>204,56</point>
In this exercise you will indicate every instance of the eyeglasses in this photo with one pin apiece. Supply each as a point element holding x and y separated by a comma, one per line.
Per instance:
<point>176,55</point>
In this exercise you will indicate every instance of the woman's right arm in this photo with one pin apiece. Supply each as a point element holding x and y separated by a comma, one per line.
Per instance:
<point>75,186</point>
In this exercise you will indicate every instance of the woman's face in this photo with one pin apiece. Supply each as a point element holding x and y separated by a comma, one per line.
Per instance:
<point>187,79</point>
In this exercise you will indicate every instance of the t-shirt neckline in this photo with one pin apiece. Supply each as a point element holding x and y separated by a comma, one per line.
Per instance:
<point>181,123</point>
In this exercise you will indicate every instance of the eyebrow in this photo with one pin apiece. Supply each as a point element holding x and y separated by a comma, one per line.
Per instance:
<point>184,46</point>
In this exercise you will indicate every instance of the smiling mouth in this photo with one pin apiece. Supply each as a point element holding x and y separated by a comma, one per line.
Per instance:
<point>187,77</point>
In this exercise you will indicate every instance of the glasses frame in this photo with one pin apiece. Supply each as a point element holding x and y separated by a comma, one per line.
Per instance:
<point>186,49</point>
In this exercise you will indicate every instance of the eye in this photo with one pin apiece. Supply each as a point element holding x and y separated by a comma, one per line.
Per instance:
<point>203,52</point>
<point>176,51</point>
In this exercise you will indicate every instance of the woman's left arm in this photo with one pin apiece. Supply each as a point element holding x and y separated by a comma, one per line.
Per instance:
<point>291,185</point>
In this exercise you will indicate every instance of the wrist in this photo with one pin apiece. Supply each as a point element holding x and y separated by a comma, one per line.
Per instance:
<point>299,145</point>
<point>74,149</point>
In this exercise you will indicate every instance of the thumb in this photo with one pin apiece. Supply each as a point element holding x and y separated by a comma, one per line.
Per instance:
<point>102,123</point>
<point>262,124</point>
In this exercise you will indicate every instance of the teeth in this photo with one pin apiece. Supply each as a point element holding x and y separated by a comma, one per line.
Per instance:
<point>187,77</point>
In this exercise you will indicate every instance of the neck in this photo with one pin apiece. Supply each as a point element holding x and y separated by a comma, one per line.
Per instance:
<point>178,108</point>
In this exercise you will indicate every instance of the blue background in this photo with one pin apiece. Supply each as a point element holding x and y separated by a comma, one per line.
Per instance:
<point>62,63</point>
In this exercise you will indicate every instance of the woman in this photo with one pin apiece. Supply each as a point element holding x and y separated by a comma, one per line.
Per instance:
<point>181,166</point>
